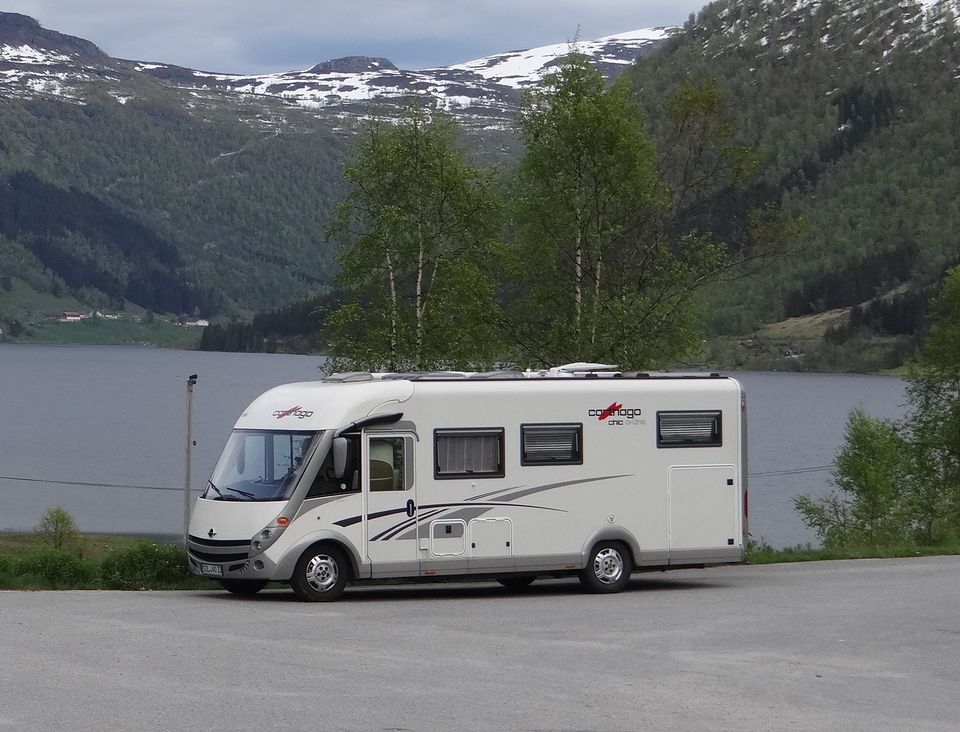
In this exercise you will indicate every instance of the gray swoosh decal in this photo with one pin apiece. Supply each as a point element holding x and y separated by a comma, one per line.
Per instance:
<point>550,486</point>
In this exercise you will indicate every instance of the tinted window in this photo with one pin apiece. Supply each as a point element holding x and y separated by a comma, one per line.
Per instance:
<point>471,453</point>
<point>689,429</point>
<point>551,444</point>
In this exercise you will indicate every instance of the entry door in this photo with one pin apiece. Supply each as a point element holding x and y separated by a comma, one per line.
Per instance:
<point>390,504</point>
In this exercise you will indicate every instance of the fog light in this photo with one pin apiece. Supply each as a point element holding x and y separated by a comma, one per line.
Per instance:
<point>258,565</point>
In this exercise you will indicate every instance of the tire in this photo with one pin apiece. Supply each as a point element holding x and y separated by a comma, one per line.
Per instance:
<point>516,583</point>
<point>608,568</point>
<point>243,587</point>
<point>320,575</point>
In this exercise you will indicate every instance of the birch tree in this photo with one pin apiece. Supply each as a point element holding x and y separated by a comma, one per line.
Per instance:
<point>417,228</point>
<point>603,268</point>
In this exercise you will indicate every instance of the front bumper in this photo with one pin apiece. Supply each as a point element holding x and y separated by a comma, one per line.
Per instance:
<point>227,559</point>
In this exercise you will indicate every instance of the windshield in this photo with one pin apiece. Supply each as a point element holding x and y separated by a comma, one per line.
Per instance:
<point>259,465</point>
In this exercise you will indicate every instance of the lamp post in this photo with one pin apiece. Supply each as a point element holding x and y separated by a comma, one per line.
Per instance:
<point>191,381</point>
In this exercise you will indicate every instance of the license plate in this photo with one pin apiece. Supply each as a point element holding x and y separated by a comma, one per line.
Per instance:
<point>214,570</point>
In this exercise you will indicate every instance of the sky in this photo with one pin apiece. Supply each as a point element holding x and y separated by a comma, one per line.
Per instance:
<point>247,36</point>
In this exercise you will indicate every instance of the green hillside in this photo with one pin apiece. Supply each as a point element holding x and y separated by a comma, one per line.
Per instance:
<point>147,196</point>
<point>855,111</point>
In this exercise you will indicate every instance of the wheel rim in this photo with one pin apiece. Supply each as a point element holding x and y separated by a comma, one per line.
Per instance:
<point>608,565</point>
<point>322,572</point>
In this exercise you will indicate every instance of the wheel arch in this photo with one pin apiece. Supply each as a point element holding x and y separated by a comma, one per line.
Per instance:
<point>289,560</point>
<point>611,533</point>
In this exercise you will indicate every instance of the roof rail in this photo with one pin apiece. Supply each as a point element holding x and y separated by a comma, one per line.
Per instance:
<point>502,374</point>
<point>349,376</point>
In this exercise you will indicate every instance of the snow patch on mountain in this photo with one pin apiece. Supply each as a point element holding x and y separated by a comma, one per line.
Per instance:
<point>25,54</point>
<point>521,69</point>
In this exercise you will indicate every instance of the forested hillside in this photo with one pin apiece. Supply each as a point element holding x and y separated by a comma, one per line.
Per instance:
<point>239,210</point>
<point>130,189</point>
<point>854,107</point>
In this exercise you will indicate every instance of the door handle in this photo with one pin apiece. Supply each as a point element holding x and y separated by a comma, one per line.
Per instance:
<point>411,508</point>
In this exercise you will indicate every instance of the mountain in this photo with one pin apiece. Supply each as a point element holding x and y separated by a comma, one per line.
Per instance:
<point>482,92</point>
<point>853,107</point>
<point>229,177</point>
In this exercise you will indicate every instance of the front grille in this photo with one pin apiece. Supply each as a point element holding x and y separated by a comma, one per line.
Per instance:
<point>218,542</point>
<point>211,557</point>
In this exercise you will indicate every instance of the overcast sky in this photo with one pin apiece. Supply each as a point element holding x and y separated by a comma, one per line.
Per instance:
<point>245,36</point>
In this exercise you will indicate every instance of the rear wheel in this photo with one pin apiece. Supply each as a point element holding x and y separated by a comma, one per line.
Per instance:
<point>608,569</point>
<point>320,575</point>
<point>516,583</point>
<point>243,587</point>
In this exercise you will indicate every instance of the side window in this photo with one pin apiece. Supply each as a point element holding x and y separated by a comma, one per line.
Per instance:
<point>468,453</point>
<point>551,444</point>
<point>387,464</point>
<point>689,429</point>
<point>326,483</point>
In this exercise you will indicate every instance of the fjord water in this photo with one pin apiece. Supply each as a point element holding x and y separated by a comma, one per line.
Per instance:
<point>115,418</point>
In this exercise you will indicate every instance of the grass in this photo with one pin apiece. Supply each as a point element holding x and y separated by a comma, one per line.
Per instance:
<point>99,332</point>
<point>87,546</point>
<point>763,554</point>
<point>29,562</point>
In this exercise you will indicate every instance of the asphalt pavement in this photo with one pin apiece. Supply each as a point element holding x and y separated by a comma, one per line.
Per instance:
<point>854,645</point>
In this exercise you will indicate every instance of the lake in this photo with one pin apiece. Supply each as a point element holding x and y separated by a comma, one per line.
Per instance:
<point>115,418</point>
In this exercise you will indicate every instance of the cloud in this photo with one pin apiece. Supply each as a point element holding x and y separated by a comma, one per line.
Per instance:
<point>245,36</point>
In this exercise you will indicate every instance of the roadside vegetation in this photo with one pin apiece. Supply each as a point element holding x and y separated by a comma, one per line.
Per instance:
<point>898,482</point>
<point>56,556</point>
<point>762,553</point>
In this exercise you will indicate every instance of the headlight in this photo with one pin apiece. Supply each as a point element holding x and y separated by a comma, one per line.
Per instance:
<point>267,535</point>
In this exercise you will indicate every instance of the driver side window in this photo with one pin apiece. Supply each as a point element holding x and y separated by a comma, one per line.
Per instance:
<point>326,483</point>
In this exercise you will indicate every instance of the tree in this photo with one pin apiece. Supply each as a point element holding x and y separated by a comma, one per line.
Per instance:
<point>933,421</point>
<point>417,228</point>
<point>872,506</point>
<point>609,252</point>
<point>901,482</point>
<point>57,527</point>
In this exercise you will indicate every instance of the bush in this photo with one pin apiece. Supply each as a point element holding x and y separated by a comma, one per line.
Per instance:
<point>55,568</point>
<point>872,506</point>
<point>144,565</point>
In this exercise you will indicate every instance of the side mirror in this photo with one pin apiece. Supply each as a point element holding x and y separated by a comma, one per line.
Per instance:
<point>341,451</point>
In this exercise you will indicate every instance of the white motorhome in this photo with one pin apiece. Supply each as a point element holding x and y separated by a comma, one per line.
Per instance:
<point>502,475</point>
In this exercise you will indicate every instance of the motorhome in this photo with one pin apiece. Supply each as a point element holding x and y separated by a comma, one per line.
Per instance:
<point>577,470</point>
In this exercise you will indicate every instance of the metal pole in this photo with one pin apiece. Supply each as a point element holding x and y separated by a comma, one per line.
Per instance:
<point>191,380</point>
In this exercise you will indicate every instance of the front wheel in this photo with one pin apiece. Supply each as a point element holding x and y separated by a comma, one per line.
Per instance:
<point>243,587</point>
<point>608,569</point>
<point>320,575</point>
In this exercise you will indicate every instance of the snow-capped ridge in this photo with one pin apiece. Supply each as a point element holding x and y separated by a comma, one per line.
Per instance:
<point>352,65</point>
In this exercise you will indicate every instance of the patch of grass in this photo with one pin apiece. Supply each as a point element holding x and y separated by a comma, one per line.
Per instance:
<point>102,332</point>
<point>89,546</point>
<point>145,565</point>
<point>763,554</point>
<point>94,563</point>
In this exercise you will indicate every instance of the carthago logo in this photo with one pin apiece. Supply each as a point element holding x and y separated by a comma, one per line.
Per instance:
<point>616,413</point>
<point>296,411</point>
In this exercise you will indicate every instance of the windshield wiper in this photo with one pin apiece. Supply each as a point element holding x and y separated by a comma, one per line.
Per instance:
<point>210,483</point>
<point>245,494</point>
